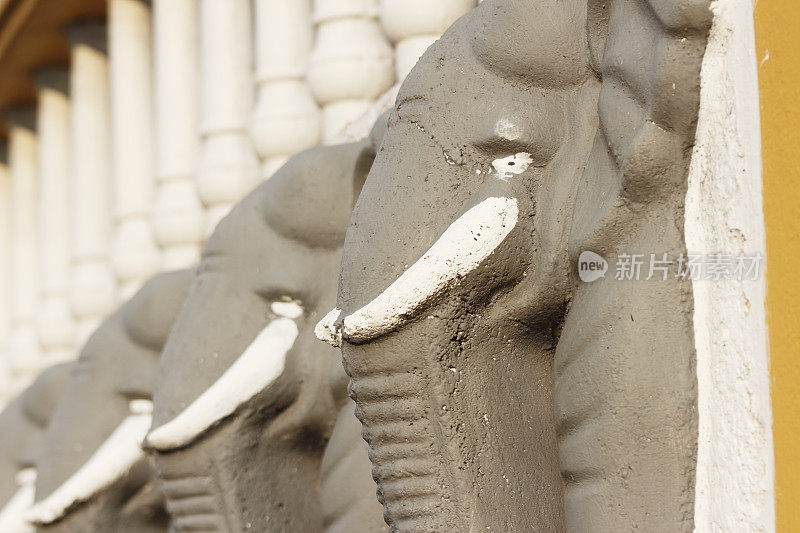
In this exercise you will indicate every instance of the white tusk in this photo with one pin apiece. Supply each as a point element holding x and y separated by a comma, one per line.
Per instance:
<point>326,329</point>
<point>464,245</point>
<point>112,460</point>
<point>13,513</point>
<point>291,309</point>
<point>258,366</point>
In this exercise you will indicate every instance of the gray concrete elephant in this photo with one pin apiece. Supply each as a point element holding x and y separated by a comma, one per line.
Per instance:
<point>247,398</point>
<point>497,392</point>
<point>23,424</point>
<point>93,474</point>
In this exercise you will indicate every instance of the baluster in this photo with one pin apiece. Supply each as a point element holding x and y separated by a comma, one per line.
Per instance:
<point>93,288</point>
<point>5,273</point>
<point>414,25</point>
<point>55,321</point>
<point>177,214</point>
<point>351,64</point>
<point>286,119</point>
<point>134,252</point>
<point>25,351</point>
<point>228,167</point>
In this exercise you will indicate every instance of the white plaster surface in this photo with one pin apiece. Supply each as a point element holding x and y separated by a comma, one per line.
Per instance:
<point>93,285</point>
<point>177,214</point>
<point>351,64</point>
<point>461,248</point>
<point>734,485</point>
<point>134,252</point>
<point>112,460</point>
<point>258,366</point>
<point>55,321</point>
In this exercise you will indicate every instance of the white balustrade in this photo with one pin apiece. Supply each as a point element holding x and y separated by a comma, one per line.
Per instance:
<point>24,348</point>
<point>352,63</point>
<point>55,321</point>
<point>134,251</point>
<point>177,214</point>
<point>413,25</point>
<point>5,272</point>
<point>93,288</point>
<point>285,119</point>
<point>228,168</point>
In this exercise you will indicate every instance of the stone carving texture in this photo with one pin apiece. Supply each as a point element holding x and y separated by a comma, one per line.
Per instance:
<point>247,397</point>
<point>93,475</point>
<point>486,376</point>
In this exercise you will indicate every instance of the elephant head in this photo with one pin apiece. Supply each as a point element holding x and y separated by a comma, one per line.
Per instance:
<point>483,394</point>
<point>22,430</point>
<point>245,401</point>
<point>93,474</point>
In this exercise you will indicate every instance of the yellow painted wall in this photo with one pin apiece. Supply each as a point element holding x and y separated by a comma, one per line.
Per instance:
<point>778,39</point>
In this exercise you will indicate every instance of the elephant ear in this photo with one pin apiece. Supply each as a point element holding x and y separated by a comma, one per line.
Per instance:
<point>648,54</point>
<point>625,380</point>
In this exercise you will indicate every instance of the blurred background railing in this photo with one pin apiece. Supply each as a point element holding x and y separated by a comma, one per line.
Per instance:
<point>130,128</point>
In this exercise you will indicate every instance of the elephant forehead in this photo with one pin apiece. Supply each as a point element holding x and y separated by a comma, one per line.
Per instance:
<point>309,199</point>
<point>248,267</point>
<point>405,205</point>
<point>41,398</point>
<point>220,318</point>
<point>539,42</point>
<point>149,315</point>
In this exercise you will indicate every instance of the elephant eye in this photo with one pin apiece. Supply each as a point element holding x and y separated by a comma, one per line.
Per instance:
<point>507,167</point>
<point>287,308</point>
<point>140,406</point>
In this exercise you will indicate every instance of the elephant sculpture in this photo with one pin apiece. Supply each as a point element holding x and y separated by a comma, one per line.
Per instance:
<point>23,424</point>
<point>497,391</point>
<point>93,474</point>
<point>252,428</point>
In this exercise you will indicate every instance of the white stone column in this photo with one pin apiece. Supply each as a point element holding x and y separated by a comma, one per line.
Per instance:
<point>414,25</point>
<point>177,214</point>
<point>228,167</point>
<point>25,351</point>
<point>286,119</point>
<point>134,251</point>
<point>351,64</point>
<point>5,272</point>
<point>55,321</point>
<point>93,288</point>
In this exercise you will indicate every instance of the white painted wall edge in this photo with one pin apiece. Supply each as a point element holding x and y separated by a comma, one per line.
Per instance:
<point>735,470</point>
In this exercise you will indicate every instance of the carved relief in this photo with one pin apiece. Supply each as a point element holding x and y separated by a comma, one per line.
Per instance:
<point>247,397</point>
<point>93,474</point>
<point>485,375</point>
